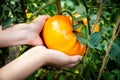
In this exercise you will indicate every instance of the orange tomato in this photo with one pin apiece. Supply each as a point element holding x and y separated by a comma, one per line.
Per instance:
<point>58,34</point>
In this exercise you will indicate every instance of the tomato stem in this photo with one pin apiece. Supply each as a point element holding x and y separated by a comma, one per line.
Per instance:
<point>58,7</point>
<point>98,16</point>
<point>42,8</point>
<point>84,60</point>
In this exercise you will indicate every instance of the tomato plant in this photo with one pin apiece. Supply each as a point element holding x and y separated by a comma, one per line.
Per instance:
<point>96,24</point>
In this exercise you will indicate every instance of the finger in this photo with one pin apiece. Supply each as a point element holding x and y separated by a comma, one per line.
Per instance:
<point>41,18</point>
<point>76,58</point>
<point>70,65</point>
<point>40,21</point>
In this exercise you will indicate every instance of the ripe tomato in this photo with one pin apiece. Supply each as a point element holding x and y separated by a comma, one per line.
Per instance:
<point>58,34</point>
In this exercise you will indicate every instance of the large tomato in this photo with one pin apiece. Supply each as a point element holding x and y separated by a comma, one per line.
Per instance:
<point>58,34</point>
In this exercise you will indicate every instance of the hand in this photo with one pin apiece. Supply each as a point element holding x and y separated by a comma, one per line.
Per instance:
<point>21,34</point>
<point>58,59</point>
<point>61,60</point>
<point>33,30</point>
<point>33,59</point>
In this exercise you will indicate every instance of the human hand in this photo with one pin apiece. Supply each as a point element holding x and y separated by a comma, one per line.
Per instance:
<point>33,59</point>
<point>35,28</point>
<point>57,59</point>
<point>61,60</point>
<point>23,33</point>
<point>32,30</point>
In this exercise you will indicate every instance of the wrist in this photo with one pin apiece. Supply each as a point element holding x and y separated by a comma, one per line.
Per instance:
<point>22,34</point>
<point>26,64</point>
<point>12,36</point>
<point>40,53</point>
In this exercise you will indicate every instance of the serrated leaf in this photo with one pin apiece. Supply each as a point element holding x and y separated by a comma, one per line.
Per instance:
<point>82,40</point>
<point>100,46</point>
<point>95,39</point>
<point>115,51</point>
<point>92,18</point>
<point>81,9</point>
<point>70,4</point>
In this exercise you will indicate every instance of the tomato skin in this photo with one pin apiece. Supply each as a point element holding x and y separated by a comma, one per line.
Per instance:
<point>58,34</point>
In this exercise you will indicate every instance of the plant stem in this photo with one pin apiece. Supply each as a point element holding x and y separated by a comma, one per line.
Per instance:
<point>86,7</point>
<point>114,35</point>
<point>58,7</point>
<point>41,8</point>
<point>98,16</point>
<point>84,60</point>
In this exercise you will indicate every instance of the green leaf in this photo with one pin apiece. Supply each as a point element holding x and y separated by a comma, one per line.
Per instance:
<point>61,77</point>
<point>92,18</point>
<point>50,75</point>
<point>116,71</point>
<point>7,22</point>
<point>95,39</point>
<point>82,40</point>
<point>81,9</point>
<point>115,51</point>
<point>84,31</point>
<point>69,3</point>
<point>77,26</point>
<point>108,76</point>
<point>118,77</point>
<point>31,77</point>
<point>39,73</point>
<point>100,47</point>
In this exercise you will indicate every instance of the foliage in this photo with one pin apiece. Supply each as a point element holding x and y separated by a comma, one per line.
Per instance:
<point>105,13</point>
